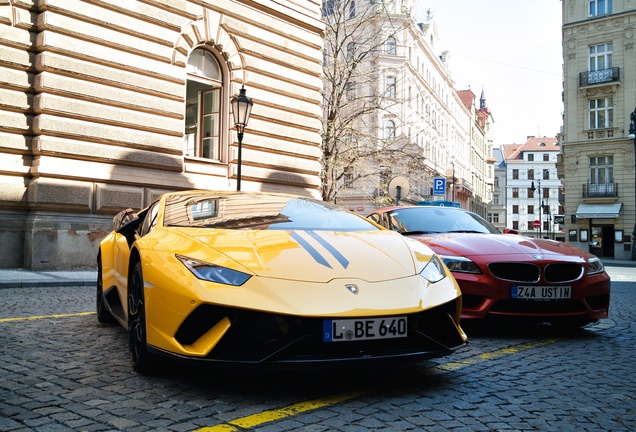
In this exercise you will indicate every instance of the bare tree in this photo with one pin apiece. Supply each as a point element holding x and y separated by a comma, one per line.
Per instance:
<point>363,113</point>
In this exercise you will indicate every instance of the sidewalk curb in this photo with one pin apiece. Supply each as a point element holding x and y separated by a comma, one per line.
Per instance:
<point>47,283</point>
<point>619,263</point>
<point>22,278</point>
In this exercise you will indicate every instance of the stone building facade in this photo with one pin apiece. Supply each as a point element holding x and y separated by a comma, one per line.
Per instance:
<point>452,129</point>
<point>106,104</point>
<point>597,159</point>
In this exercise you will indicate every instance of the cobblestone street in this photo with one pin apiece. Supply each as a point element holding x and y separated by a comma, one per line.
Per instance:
<point>62,370</point>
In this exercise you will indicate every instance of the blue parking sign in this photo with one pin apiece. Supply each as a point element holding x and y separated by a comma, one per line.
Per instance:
<point>439,186</point>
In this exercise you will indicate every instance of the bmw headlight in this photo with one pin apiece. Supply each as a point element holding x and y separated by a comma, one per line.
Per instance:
<point>595,266</point>
<point>460,264</point>
<point>214,273</point>
<point>434,270</point>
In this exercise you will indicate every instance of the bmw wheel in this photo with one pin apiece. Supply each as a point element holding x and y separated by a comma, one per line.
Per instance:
<point>142,361</point>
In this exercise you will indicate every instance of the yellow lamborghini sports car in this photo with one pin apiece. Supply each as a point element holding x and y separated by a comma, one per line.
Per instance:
<point>244,278</point>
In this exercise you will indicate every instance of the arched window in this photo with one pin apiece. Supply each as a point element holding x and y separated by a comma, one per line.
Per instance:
<point>389,129</point>
<point>391,46</point>
<point>204,90</point>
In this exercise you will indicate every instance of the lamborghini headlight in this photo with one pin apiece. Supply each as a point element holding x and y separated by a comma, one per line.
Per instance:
<point>213,273</point>
<point>460,264</point>
<point>434,270</point>
<point>595,266</point>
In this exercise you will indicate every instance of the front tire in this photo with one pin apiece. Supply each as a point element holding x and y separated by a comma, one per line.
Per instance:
<point>142,361</point>
<point>103,314</point>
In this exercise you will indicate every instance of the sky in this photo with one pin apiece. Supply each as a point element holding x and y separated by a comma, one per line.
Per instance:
<point>510,49</point>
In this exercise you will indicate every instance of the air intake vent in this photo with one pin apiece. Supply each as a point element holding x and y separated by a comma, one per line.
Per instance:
<point>563,272</point>
<point>515,271</point>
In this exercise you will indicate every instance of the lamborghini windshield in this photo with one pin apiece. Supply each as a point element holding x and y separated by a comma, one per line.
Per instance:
<point>259,211</point>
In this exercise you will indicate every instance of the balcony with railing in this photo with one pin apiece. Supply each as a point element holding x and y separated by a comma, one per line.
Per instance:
<point>598,134</point>
<point>601,76</point>
<point>464,186</point>
<point>600,190</point>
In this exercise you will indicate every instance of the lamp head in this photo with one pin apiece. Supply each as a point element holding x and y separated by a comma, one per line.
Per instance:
<point>241,109</point>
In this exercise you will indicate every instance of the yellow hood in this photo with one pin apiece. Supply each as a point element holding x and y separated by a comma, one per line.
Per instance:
<point>316,256</point>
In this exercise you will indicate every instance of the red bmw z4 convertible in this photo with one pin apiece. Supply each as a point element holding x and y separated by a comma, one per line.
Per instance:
<point>507,275</point>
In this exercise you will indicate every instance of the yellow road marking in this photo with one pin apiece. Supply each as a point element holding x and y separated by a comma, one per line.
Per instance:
<point>38,317</point>
<point>277,414</point>
<point>261,418</point>
<point>495,354</point>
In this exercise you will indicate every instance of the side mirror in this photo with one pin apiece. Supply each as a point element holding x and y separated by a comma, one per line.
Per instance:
<point>126,223</point>
<point>510,231</point>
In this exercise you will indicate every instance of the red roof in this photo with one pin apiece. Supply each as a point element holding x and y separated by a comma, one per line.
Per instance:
<point>467,97</point>
<point>545,144</point>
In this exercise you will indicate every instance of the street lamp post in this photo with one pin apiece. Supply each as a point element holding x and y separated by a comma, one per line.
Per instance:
<point>540,203</point>
<point>241,109</point>
<point>548,214</point>
<point>632,136</point>
<point>453,164</point>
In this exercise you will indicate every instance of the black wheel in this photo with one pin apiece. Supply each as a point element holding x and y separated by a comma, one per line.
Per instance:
<point>142,361</point>
<point>103,315</point>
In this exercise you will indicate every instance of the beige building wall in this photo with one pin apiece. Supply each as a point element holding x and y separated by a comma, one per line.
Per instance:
<point>429,113</point>
<point>581,141</point>
<point>92,104</point>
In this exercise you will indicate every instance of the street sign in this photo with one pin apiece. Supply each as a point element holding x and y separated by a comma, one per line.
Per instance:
<point>536,224</point>
<point>439,186</point>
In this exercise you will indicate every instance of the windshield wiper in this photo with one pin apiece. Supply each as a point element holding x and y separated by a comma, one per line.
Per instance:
<point>467,231</point>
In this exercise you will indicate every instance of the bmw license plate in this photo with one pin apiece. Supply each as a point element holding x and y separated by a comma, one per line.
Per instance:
<point>344,330</point>
<point>541,292</point>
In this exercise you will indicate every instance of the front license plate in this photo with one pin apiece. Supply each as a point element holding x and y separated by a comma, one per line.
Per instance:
<point>344,330</point>
<point>541,292</point>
